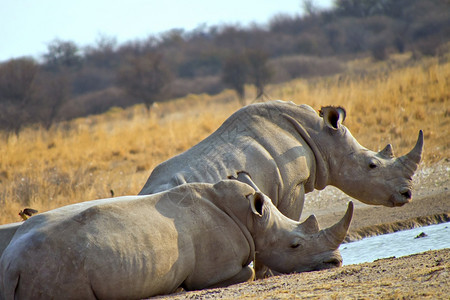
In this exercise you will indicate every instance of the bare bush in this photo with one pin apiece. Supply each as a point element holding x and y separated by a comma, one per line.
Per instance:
<point>16,84</point>
<point>287,68</point>
<point>208,84</point>
<point>62,55</point>
<point>145,78</point>
<point>94,103</point>
<point>234,74</point>
<point>259,72</point>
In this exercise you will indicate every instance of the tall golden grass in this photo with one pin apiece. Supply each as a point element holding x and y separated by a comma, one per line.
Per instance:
<point>87,158</point>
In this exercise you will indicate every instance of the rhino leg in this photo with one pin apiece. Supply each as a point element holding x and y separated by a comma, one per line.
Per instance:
<point>245,274</point>
<point>261,271</point>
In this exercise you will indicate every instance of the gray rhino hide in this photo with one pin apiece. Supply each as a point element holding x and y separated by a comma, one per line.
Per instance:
<point>288,150</point>
<point>130,247</point>
<point>195,236</point>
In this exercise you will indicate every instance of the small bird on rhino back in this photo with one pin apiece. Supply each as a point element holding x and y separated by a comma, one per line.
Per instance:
<point>27,212</point>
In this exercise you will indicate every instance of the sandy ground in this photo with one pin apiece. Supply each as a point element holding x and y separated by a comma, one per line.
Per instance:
<point>419,276</point>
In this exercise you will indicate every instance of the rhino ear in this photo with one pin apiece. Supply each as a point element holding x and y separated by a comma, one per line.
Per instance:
<point>333,116</point>
<point>257,203</point>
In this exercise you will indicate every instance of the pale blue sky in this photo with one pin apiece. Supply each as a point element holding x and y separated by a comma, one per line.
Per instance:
<point>27,26</point>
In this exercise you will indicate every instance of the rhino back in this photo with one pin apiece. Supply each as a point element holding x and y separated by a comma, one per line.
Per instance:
<point>7,232</point>
<point>256,139</point>
<point>135,248</point>
<point>97,251</point>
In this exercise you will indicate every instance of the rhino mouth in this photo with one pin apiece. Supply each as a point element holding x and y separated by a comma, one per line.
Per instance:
<point>328,264</point>
<point>333,263</point>
<point>401,198</point>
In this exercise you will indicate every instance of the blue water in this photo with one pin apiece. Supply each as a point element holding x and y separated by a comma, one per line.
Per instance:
<point>396,244</point>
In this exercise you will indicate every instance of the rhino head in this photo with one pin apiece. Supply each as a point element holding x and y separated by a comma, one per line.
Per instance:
<point>288,246</point>
<point>377,178</point>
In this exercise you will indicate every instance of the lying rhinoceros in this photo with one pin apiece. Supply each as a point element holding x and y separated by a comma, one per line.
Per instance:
<point>289,150</point>
<point>193,236</point>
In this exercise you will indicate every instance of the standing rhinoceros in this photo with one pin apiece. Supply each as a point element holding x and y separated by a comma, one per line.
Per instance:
<point>195,236</point>
<point>289,150</point>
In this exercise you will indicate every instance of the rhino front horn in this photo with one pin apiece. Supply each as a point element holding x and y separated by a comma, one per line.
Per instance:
<point>416,153</point>
<point>412,159</point>
<point>336,234</point>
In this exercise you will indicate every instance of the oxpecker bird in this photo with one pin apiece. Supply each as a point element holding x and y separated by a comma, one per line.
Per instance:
<point>27,212</point>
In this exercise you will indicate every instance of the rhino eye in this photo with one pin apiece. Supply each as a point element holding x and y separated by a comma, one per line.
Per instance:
<point>296,245</point>
<point>372,165</point>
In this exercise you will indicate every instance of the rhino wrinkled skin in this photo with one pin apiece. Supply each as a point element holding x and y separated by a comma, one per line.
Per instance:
<point>194,236</point>
<point>289,150</point>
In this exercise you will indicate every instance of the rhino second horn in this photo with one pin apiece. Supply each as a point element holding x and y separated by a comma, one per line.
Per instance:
<point>335,235</point>
<point>387,152</point>
<point>412,159</point>
<point>310,225</point>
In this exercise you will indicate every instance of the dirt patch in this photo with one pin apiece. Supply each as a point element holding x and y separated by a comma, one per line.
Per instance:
<point>419,276</point>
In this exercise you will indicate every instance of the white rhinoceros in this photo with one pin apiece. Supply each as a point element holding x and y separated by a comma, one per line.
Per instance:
<point>193,236</point>
<point>7,231</point>
<point>289,150</point>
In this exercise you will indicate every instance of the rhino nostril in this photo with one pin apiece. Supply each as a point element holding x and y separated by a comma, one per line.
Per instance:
<point>406,194</point>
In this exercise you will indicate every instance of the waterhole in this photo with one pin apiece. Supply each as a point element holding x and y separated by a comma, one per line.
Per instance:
<point>401,243</point>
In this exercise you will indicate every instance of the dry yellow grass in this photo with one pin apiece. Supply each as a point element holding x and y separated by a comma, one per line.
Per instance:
<point>86,158</point>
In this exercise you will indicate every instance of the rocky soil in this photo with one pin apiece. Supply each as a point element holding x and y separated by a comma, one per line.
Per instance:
<point>420,276</point>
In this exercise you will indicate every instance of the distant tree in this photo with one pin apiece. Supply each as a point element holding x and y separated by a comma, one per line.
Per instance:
<point>103,53</point>
<point>378,50</point>
<point>309,8</point>
<point>295,45</point>
<point>259,72</point>
<point>29,94</point>
<point>98,70</point>
<point>16,77</point>
<point>234,74</point>
<point>145,78</point>
<point>16,82</point>
<point>49,93</point>
<point>399,43</point>
<point>204,64</point>
<point>61,55</point>
<point>356,8</point>
<point>355,39</point>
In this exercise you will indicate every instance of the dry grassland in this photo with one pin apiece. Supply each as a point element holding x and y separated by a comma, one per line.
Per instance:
<point>85,159</point>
